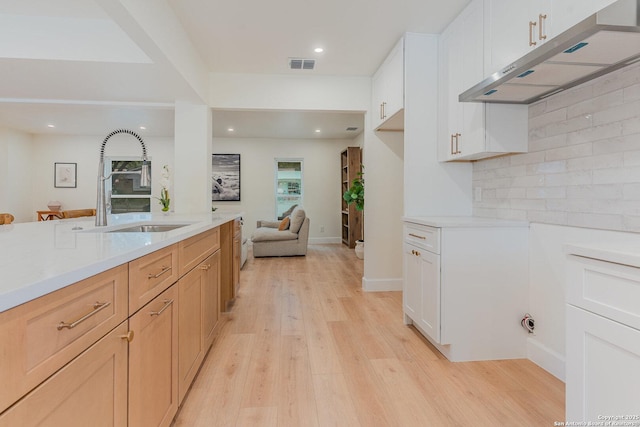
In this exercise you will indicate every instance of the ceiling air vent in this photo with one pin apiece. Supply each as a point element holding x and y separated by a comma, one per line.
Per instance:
<point>352,129</point>
<point>301,64</point>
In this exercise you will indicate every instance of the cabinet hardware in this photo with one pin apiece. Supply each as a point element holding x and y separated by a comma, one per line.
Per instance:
<point>417,253</point>
<point>453,135</point>
<point>128,336</point>
<point>98,306</point>
<point>205,267</point>
<point>413,252</point>
<point>155,276</point>
<point>531,25</point>
<point>167,303</point>
<point>384,110</point>
<point>541,18</point>
<point>458,135</point>
<point>417,237</point>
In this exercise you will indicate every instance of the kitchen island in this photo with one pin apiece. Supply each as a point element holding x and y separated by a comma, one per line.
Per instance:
<point>110,319</point>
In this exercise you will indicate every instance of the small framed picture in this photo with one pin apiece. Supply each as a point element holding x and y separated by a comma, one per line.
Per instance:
<point>64,175</point>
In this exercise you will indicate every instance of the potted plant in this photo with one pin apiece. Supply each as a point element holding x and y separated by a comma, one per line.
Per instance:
<point>355,194</point>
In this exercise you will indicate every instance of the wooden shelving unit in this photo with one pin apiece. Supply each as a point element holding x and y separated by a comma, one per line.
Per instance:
<point>350,162</point>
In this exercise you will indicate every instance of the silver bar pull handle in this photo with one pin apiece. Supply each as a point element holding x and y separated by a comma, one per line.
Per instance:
<point>417,237</point>
<point>167,303</point>
<point>98,306</point>
<point>155,276</point>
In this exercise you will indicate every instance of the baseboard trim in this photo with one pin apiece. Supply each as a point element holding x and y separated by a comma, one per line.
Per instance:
<point>547,359</point>
<point>324,240</point>
<point>381,285</point>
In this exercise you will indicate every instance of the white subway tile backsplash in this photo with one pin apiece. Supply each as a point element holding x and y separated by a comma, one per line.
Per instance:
<point>595,133</point>
<point>631,191</point>
<point>596,104</point>
<point>617,175</point>
<point>583,164</point>
<point>592,192</point>
<point>547,193</point>
<point>602,161</point>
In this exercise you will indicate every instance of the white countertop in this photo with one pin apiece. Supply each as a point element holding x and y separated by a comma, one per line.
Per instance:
<point>463,221</point>
<point>37,258</point>
<point>619,253</point>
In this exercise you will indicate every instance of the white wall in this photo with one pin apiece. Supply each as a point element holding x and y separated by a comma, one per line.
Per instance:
<point>580,178</point>
<point>16,174</point>
<point>322,185</point>
<point>85,151</point>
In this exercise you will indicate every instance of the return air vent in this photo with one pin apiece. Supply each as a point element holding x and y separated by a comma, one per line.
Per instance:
<point>301,64</point>
<point>352,129</point>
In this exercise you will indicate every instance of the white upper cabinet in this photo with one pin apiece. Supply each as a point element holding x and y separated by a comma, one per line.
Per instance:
<point>567,13</point>
<point>388,91</point>
<point>513,28</point>
<point>469,130</point>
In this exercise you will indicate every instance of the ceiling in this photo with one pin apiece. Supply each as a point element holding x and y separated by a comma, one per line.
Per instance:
<point>73,64</point>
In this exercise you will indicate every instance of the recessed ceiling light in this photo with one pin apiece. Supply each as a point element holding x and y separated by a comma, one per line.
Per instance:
<point>143,128</point>
<point>51,126</point>
<point>230,130</point>
<point>318,50</point>
<point>317,130</point>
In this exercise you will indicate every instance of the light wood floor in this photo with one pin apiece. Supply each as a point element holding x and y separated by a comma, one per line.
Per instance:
<point>304,346</point>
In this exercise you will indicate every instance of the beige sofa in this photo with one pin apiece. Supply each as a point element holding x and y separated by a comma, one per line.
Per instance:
<point>269,241</point>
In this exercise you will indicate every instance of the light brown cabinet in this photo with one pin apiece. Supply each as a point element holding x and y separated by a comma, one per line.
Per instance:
<point>153,362</point>
<point>89,391</point>
<point>75,359</point>
<point>150,275</point>
<point>231,245</point>
<point>41,336</point>
<point>210,299</point>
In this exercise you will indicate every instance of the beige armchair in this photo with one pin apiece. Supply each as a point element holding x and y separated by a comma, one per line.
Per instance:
<point>269,241</point>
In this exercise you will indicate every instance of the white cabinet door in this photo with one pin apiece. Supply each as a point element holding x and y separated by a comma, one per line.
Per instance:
<point>461,56</point>
<point>430,271</point>
<point>412,286</point>
<point>513,28</point>
<point>388,90</point>
<point>567,13</point>
<point>603,368</point>
<point>421,291</point>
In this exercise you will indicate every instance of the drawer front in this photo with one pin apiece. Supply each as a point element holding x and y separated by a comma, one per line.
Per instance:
<point>197,248</point>
<point>608,289</point>
<point>423,236</point>
<point>150,275</point>
<point>89,391</point>
<point>41,336</point>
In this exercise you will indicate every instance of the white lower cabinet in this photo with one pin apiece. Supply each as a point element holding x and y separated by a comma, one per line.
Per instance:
<point>465,285</point>
<point>421,296</point>
<point>603,342</point>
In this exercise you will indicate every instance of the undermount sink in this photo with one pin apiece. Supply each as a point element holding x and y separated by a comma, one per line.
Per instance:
<point>148,228</point>
<point>145,227</point>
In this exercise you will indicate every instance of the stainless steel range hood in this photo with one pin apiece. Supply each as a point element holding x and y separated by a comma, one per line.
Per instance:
<point>604,42</point>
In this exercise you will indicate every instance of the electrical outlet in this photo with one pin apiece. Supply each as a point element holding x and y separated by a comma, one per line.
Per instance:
<point>322,228</point>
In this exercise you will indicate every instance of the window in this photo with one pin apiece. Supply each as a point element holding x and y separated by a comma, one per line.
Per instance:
<point>123,187</point>
<point>289,187</point>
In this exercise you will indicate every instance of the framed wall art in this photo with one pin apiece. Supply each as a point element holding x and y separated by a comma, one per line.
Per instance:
<point>225,178</point>
<point>65,175</point>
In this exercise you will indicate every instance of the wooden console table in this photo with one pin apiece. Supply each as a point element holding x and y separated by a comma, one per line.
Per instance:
<point>49,215</point>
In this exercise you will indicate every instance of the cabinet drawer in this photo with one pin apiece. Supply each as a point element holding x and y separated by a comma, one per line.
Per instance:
<point>41,336</point>
<point>89,391</point>
<point>197,248</point>
<point>423,236</point>
<point>611,290</point>
<point>150,275</point>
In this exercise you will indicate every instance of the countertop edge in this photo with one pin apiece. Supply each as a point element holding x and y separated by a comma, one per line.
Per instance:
<point>38,288</point>
<point>462,221</point>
